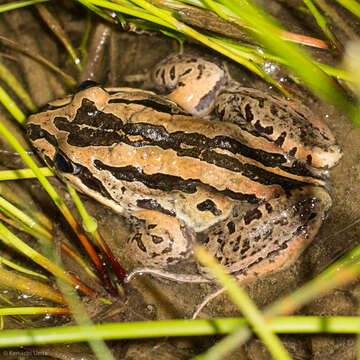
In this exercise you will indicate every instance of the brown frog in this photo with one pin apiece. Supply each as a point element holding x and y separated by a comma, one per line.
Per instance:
<point>239,171</point>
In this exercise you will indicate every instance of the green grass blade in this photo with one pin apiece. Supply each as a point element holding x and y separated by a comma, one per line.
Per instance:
<point>33,310</point>
<point>89,223</point>
<point>16,86</point>
<point>10,239</point>
<point>245,304</point>
<point>351,5</point>
<point>23,174</point>
<point>18,4</point>
<point>322,22</point>
<point>174,328</point>
<point>24,218</point>
<point>11,107</point>
<point>20,268</point>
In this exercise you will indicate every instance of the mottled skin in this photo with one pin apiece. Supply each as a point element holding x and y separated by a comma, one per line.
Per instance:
<point>289,125</point>
<point>181,179</point>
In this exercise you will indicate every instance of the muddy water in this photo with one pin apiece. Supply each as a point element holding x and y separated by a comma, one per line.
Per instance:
<point>147,298</point>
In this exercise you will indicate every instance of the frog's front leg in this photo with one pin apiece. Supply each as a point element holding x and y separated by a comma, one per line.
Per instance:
<point>271,236</point>
<point>159,240</point>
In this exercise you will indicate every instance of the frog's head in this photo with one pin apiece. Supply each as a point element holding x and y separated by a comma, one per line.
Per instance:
<point>50,129</point>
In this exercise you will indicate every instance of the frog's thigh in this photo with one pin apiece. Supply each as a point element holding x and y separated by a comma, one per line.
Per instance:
<point>274,234</point>
<point>158,239</point>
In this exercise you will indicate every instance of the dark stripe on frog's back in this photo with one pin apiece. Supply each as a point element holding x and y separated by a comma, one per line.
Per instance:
<point>96,134</point>
<point>104,129</point>
<point>168,182</point>
<point>165,182</point>
<point>154,103</point>
<point>91,182</point>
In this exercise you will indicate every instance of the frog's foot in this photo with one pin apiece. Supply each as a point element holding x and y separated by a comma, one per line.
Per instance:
<point>159,240</point>
<point>185,278</point>
<point>207,299</point>
<point>271,236</point>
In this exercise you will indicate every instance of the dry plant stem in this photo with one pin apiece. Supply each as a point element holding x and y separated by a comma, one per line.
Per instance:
<point>14,45</point>
<point>17,87</point>
<point>303,39</point>
<point>12,280</point>
<point>56,28</point>
<point>208,20</point>
<point>90,250</point>
<point>94,61</point>
<point>119,271</point>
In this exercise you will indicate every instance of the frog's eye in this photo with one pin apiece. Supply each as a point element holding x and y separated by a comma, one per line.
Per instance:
<point>86,84</point>
<point>65,165</point>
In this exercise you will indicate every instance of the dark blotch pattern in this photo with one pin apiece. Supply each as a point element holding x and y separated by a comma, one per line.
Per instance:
<point>293,151</point>
<point>172,73</point>
<point>249,116</point>
<point>251,215</point>
<point>309,159</point>
<point>209,205</point>
<point>139,243</point>
<point>280,140</point>
<point>35,132</point>
<point>209,98</point>
<point>151,204</point>
<point>231,227</point>
<point>166,182</point>
<point>267,130</point>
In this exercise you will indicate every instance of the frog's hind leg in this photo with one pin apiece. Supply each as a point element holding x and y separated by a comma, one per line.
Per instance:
<point>255,246</point>
<point>273,235</point>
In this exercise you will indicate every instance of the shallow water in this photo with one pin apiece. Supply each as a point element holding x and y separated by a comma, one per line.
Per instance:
<point>149,298</point>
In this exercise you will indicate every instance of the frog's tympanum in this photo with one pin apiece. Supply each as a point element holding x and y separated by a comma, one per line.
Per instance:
<point>239,171</point>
